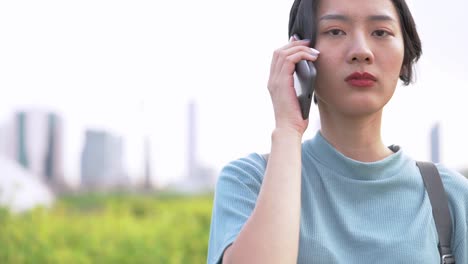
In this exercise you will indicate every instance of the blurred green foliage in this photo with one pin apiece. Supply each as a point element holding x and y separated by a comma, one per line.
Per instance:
<point>109,228</point>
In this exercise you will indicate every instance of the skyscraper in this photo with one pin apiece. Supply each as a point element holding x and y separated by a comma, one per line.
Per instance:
<point>199,177</point>
<point>54,155</point>
<point>147,162</point>
<point>192,141</point>
<point>435,143</point>
<point>102,160</point>
<point>38,144</point>
<point>21,125</point>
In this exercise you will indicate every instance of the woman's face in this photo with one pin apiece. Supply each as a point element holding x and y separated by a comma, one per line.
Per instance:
<point>361,54</point>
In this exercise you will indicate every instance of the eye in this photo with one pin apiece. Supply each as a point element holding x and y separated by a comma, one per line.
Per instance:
<point>336,32</point>
<point>381,33</point>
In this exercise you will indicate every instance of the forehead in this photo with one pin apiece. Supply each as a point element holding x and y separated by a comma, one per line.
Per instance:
<point>357,9</point>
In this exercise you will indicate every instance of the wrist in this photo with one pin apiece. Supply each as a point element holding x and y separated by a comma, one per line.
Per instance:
<point>286,133</point>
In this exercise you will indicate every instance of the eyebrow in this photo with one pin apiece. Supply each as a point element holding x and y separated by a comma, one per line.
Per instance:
<point>347,18</point>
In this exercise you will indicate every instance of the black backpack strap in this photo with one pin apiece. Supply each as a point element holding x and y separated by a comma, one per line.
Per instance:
<point>440,210</point>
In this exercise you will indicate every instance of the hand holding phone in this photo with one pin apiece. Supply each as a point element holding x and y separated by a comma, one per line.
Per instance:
<point>304,84</point>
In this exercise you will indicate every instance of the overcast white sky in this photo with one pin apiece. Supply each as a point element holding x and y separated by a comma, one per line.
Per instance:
<point>132,67</point>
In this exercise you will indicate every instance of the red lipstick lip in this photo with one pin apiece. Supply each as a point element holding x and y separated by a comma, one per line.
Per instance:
<point>361,76</point>
<point>361,80</point>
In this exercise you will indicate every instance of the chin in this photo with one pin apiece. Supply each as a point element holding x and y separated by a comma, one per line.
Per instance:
<point>363,107</point>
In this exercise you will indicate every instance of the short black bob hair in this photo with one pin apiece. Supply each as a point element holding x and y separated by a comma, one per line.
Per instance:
<point>303,23</point>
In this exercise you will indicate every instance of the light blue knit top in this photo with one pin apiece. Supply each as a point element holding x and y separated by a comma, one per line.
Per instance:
<point>351,211</point>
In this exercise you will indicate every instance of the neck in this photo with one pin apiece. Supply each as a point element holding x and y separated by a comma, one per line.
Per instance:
<point>358,138</point>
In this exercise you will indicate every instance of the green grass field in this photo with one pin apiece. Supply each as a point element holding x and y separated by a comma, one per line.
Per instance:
<point>109,228</point>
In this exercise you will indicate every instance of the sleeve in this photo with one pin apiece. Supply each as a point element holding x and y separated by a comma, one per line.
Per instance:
<point>235,195</point>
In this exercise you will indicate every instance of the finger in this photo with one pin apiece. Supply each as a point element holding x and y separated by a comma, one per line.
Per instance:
<point>283,55</point>
<point>290,62</point>
<point>295,49</point>
<point>292,43</point>
<point>285,69</point>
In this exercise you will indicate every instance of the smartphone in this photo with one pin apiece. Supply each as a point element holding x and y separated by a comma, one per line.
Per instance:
<point>304,84</point>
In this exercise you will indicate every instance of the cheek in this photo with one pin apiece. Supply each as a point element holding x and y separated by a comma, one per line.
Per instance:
<point>327,70</point>
<point>392,59</point>
<point>326,63</point>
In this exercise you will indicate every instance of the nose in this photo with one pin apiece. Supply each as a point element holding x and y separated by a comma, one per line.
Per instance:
<point>360,51</point>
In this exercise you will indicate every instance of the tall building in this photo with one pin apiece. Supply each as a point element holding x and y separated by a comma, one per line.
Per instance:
<point>7,140</point>
<point>22,151</point>
<point>147,163</point>
<point>192,141</point>
<point>199,177</point>
<point>102,160</point>
<point>435,143</point>
<point>34,139</point>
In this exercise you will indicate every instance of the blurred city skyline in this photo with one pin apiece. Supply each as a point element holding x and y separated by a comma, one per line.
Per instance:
<point>133,67</point>
<point>34,140</point>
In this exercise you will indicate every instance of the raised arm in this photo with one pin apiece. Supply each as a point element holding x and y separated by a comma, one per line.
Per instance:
<point>271,234</point>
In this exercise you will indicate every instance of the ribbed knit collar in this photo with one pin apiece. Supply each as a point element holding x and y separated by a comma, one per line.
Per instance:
<point>321,150</point>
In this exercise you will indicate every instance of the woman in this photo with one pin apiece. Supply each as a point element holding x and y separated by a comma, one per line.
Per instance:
<point>342,196</point>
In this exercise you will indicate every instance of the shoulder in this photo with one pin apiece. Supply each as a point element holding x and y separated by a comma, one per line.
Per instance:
<point>247,171</point>
<point>235,195</point>
<point>455,183</point>
<point>456,187</point>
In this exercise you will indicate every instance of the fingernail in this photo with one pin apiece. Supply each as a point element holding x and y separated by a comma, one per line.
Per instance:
<point>314,51</point>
